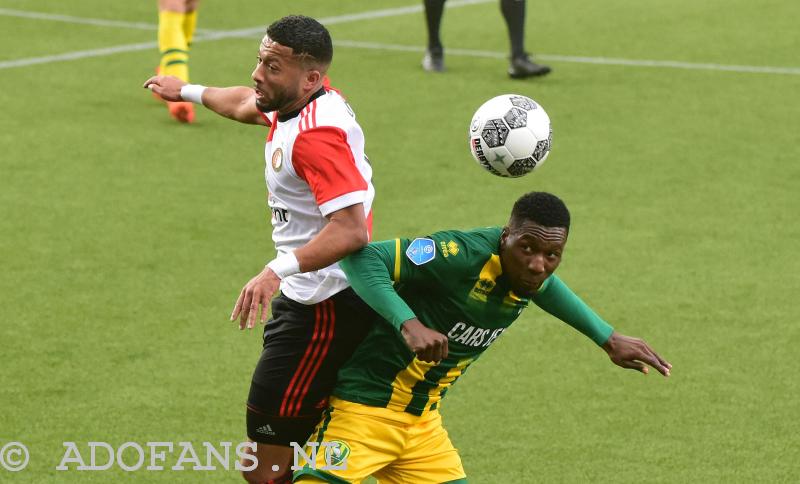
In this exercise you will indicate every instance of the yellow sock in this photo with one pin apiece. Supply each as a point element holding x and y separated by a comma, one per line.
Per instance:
<point>172,45</point>
<point>189,25</point>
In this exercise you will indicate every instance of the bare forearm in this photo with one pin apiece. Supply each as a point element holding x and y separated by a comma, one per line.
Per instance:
<point>237,103</point>
<point>337,240</point>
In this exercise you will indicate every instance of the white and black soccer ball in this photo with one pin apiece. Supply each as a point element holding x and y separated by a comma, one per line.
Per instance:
<point>510,135</point>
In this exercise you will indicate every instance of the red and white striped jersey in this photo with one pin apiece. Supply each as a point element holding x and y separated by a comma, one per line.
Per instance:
<point>315,165</point>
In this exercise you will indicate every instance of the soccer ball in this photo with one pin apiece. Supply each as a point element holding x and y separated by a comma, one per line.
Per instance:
<point>510,135</point>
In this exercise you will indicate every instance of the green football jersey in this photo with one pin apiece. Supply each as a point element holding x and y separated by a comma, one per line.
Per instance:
<point>453,282</point>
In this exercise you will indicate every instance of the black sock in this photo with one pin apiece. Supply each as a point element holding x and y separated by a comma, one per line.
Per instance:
<point>433,16</point>
<point>514,13</point>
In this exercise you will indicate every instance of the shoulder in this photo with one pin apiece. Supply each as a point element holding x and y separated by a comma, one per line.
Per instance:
<point>466,246</point>
<point>477,240</point>
<point>333,110</point>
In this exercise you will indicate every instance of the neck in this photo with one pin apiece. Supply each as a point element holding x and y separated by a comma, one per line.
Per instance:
<point>300,102</point>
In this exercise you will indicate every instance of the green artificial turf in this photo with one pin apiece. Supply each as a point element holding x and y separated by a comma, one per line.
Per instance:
<point>125,237</point>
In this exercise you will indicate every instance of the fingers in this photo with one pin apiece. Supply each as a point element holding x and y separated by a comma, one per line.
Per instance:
<point>635,354</point>
<point>651,358</point>
<point>255,305</point>
<point>152,82</point>
<point>633,365</point>
<point>254,298</point>
<point>425,354</point>
<point>433,351</point>
<point>266,297</point>
<point>662,360</point>
<point>656,363</point>
<point>260,302</point>
<point>246,307</point>
<point>238,306</point>
<point>436,351</point>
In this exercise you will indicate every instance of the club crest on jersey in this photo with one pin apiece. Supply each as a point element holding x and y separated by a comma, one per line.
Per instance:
<point>337,451</point>
<point>421,251</point>
<point>277,159</point>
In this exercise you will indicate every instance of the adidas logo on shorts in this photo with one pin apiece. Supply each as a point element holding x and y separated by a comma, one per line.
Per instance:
<point>266,430</point>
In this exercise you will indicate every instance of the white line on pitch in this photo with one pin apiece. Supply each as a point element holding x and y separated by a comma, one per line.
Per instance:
<point>795,71</point>
<point>337,19</point>
<point>389,12</point>
<point>583,60</point>
<point>202,36</point>
<point>8,12</point>
<point>209,35</point>
<point>81,54</point>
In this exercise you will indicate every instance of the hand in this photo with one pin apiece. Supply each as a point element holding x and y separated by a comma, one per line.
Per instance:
<point>257,292</point>
<point>168,87</point>
<point>633,353</point>
<point>428,344</point>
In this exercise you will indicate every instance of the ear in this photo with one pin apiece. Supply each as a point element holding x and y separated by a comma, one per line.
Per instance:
<point>504,236</point>
<point>313,77</point>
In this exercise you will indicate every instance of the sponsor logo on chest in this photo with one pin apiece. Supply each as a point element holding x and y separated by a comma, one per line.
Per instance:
<point>474,336</point>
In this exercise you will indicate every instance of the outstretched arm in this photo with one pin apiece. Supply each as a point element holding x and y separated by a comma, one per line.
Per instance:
<point>237,103</point>
<point>559,300</point>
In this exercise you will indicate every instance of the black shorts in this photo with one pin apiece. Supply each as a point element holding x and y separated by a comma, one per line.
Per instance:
<point>304,347</point>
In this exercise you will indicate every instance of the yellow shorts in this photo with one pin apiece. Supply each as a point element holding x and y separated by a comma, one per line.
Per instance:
<point>394,447</point>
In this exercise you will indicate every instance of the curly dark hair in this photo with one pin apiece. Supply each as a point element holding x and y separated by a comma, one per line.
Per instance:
<point>306,37</point>
<point>541,207</point>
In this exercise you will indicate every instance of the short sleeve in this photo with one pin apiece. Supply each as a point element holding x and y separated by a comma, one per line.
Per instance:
<point>323,158</point>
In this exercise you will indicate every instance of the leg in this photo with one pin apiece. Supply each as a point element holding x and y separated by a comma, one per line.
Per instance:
<point>190,21</point>
<point>174,48</point>
<point>428,456</point>
<point>521,65</point>
<point>352,442</point>
<point>514,15</point>
<point>434,58</point>
<point>304,347</point>
<point>269,456</point>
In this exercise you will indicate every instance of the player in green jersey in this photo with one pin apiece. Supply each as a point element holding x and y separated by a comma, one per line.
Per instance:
<point>454,293</point>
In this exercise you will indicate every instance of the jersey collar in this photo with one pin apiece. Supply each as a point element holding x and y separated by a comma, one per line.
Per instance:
<point>286,117</point>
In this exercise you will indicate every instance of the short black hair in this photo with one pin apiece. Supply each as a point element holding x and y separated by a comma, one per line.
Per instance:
<point>304,35</point>
<point>540,207</point>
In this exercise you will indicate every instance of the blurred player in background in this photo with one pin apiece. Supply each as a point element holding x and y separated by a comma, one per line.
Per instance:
<point>514,14</point>
<point>320,194</point>
<point>454,293</point>
<point>177,20</point>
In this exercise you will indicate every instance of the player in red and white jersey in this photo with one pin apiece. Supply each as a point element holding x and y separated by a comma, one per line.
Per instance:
<point>305,150</point>
<point>320,196</point>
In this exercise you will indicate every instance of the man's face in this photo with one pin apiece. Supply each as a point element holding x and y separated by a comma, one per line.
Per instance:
<point>278,77</point>
<point>529,253</point>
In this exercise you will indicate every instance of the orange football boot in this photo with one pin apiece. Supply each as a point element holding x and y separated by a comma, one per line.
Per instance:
<point>182,111</point>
